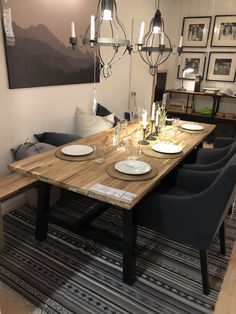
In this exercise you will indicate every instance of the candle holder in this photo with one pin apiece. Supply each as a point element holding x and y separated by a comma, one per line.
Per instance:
<point>156,131</point>
<point>151,137</point>
<point>144,142</point>
<point>73,41</point>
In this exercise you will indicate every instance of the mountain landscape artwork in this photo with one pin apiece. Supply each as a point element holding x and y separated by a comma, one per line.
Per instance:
<point>39,53</point>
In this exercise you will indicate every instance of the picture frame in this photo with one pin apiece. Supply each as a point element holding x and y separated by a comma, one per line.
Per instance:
<point>192,59</point>
<point>195,31</point>
<point>221,66</point>
<point>224,31</point>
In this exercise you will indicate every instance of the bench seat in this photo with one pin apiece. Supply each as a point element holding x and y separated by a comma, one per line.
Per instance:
<point>9,186</point>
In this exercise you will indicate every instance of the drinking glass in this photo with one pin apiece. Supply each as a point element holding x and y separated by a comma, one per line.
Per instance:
<point>135,150</point>
<point>99,153</point>
<point>163,135</point>
<point>123,142</point>
<point>135,145</point>
<point>175,123</point>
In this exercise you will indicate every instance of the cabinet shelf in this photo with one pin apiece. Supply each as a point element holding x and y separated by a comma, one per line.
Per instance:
<point>224,126</point>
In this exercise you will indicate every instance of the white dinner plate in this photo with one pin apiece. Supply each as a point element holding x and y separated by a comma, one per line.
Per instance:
<point>77,150</point>
<point>133,167</point>
<point>167,148</point>
<point>192,127</point>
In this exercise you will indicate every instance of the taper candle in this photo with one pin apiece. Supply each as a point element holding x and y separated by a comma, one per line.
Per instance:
<point>92,28</point>
<point>144,118</point>
<point>157,118</point>
<point>153,111</point>
<point>72,29</point>
<point>181,41</point>
<point>162,39</point>
<point>141,34</point>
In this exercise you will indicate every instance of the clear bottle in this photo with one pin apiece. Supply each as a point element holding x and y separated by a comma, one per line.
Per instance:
<point>134,108</point>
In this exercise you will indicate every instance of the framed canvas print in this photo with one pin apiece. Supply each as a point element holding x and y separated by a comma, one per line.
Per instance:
<point>38,52</point>
<point>195,31</point>
<point>224,31</point>
<point>221,66</point>
<point>194,61</point>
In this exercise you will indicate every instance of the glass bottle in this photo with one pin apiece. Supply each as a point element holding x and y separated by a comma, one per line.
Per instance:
<point>134,108</point>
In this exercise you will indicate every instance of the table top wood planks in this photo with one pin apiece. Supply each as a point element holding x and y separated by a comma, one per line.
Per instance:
<point>82,175</point>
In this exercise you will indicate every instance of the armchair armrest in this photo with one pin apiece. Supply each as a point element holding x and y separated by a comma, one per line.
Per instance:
<point>195,181</point>
<point>223,141</point>
<point>208,155</point>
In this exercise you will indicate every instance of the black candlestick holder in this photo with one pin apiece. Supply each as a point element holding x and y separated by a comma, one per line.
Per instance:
<point>151,137</point>
<point>156,131</point>
<point>144,142</point>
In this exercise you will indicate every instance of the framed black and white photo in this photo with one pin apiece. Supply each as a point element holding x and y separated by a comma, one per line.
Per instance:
<point>224,31</point>
<point>192,64</point>
<point>195,31</point>
<point>221,66</point>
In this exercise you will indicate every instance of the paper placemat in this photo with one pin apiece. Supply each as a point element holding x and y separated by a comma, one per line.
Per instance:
<point>148,151</point>
<point>110,169</point>
<point>62,156</point>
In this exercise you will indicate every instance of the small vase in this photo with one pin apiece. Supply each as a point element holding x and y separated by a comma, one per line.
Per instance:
<point>162,122</point>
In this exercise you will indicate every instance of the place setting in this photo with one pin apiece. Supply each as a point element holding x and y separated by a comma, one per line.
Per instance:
<point>131,170</point>
<point>192,127</point>
<point>76,153</point>
<point>163,150</point>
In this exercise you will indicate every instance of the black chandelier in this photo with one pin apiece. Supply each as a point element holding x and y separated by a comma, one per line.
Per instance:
<point>106,35</point>
<point>155,46</point>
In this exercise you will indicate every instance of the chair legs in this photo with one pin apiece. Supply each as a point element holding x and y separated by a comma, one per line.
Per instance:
<point>204,271</point>
<point>204,260</point>
<point>222,238</point>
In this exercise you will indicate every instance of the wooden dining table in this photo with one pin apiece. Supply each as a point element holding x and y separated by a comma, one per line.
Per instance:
<point>87,177</point>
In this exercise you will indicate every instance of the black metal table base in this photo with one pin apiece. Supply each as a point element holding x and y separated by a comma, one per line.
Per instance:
<point>125,244</point>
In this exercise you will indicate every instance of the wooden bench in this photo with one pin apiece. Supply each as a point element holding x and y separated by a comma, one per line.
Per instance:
<point>9,186</point>
<point>226,302</point>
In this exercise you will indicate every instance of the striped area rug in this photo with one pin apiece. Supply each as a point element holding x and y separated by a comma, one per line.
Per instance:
<point>70,274</point>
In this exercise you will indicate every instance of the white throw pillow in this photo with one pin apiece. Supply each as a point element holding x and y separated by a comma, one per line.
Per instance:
<point>87,124</point>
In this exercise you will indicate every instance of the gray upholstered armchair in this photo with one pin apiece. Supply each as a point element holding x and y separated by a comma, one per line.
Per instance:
<point>193,210</point>
<point>212,159</point>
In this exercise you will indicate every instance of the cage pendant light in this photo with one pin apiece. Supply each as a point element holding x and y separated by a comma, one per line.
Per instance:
<point>107,37</point>
<point>155,46</point>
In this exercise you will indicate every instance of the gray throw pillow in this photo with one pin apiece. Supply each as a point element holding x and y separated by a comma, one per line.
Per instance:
<point>28,149</point>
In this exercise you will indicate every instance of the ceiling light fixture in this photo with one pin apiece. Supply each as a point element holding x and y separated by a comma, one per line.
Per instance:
<point>106,35</point>
<point>155,46</point>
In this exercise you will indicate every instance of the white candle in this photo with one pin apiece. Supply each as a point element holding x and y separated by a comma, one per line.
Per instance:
<point>153,111</point>
<point>92,28</point>
<point>162,38</point>
<point>164,97</point>
<point>144,118</point>
<point>181,41</point>
<point>157,118</point>
<point>72,29</point>
<point>141,33</point>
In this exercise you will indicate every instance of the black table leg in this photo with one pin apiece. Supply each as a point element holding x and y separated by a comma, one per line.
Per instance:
<point>42,211</point>
<point>129,238</point>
